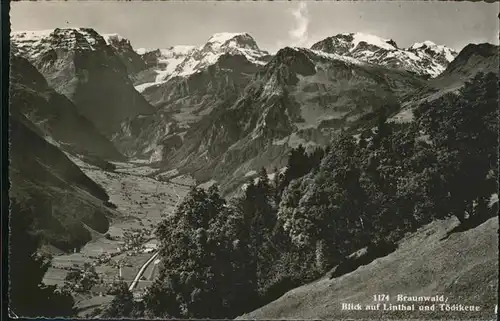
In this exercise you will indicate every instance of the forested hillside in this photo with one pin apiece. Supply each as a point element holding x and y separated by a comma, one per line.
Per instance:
<point>221,258</point>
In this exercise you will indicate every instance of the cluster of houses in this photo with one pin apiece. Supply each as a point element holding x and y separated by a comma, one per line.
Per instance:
<point>150,247</point>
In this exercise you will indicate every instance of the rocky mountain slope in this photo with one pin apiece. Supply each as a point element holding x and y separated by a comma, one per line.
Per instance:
<point>127,55</point>
<point>54,114</point>
<point>79,64</point>
<point>203,90</point>
<point>472,59</point>
<point>44,178</point>
<point>305,97</point>
<point>250,113</point>
<point>189,89</point>
<point>301,97</point>
<point>424,58</point>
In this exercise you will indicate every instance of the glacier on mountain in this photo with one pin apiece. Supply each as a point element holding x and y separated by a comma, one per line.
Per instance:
<point>369,39</point>
<point>183,61</point>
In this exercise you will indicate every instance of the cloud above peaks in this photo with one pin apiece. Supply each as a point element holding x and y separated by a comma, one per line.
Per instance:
<point>299,34</point>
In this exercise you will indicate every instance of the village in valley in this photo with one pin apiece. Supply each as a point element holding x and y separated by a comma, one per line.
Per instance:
<point>127,252</point>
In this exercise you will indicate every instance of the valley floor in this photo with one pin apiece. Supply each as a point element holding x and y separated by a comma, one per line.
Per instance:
<point>463,268</point>
<point>142,203</point>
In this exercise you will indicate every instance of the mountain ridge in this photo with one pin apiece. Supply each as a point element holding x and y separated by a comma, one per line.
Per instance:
<point>55,114</point>
<point>424,58</point>
<point>285,99</point>
<point>72,61</point>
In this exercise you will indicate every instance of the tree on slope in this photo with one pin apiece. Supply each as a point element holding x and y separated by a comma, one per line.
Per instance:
<point>464,130</point>
<point>200,273</point>
<point>123,304</point>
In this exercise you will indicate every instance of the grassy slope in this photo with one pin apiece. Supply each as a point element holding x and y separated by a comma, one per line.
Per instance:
<point>463,267</point>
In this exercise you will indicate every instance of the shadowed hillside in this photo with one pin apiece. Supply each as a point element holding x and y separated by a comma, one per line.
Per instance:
<point>54,114</point>
<point>42,177</point>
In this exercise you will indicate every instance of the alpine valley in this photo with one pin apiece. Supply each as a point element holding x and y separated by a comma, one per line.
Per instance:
<point>216,178</point>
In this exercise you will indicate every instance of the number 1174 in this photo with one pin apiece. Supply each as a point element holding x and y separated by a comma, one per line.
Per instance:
<point>380,297</point>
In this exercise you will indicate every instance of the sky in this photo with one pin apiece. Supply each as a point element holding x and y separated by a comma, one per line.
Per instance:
<point>161,24</point>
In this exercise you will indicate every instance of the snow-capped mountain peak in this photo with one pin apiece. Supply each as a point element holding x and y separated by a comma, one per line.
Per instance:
<point>424,58</point>
<point>448,53</point>
<point>217,45</point>
<point>119,43</point>
<point>222,37</point>
<point>359,37</point>
<point>177,51</point>
<point>31,34</point>
<point>142,51</point>
<point>113,38</point>
<point>187,60</point>
<point>357,43</point>
<point>32,43</point>
<point>53,43</point>
<point>240,40</point>
<point>427,43</point>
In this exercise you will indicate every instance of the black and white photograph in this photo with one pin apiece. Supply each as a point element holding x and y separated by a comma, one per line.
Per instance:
<point>253,160</point>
